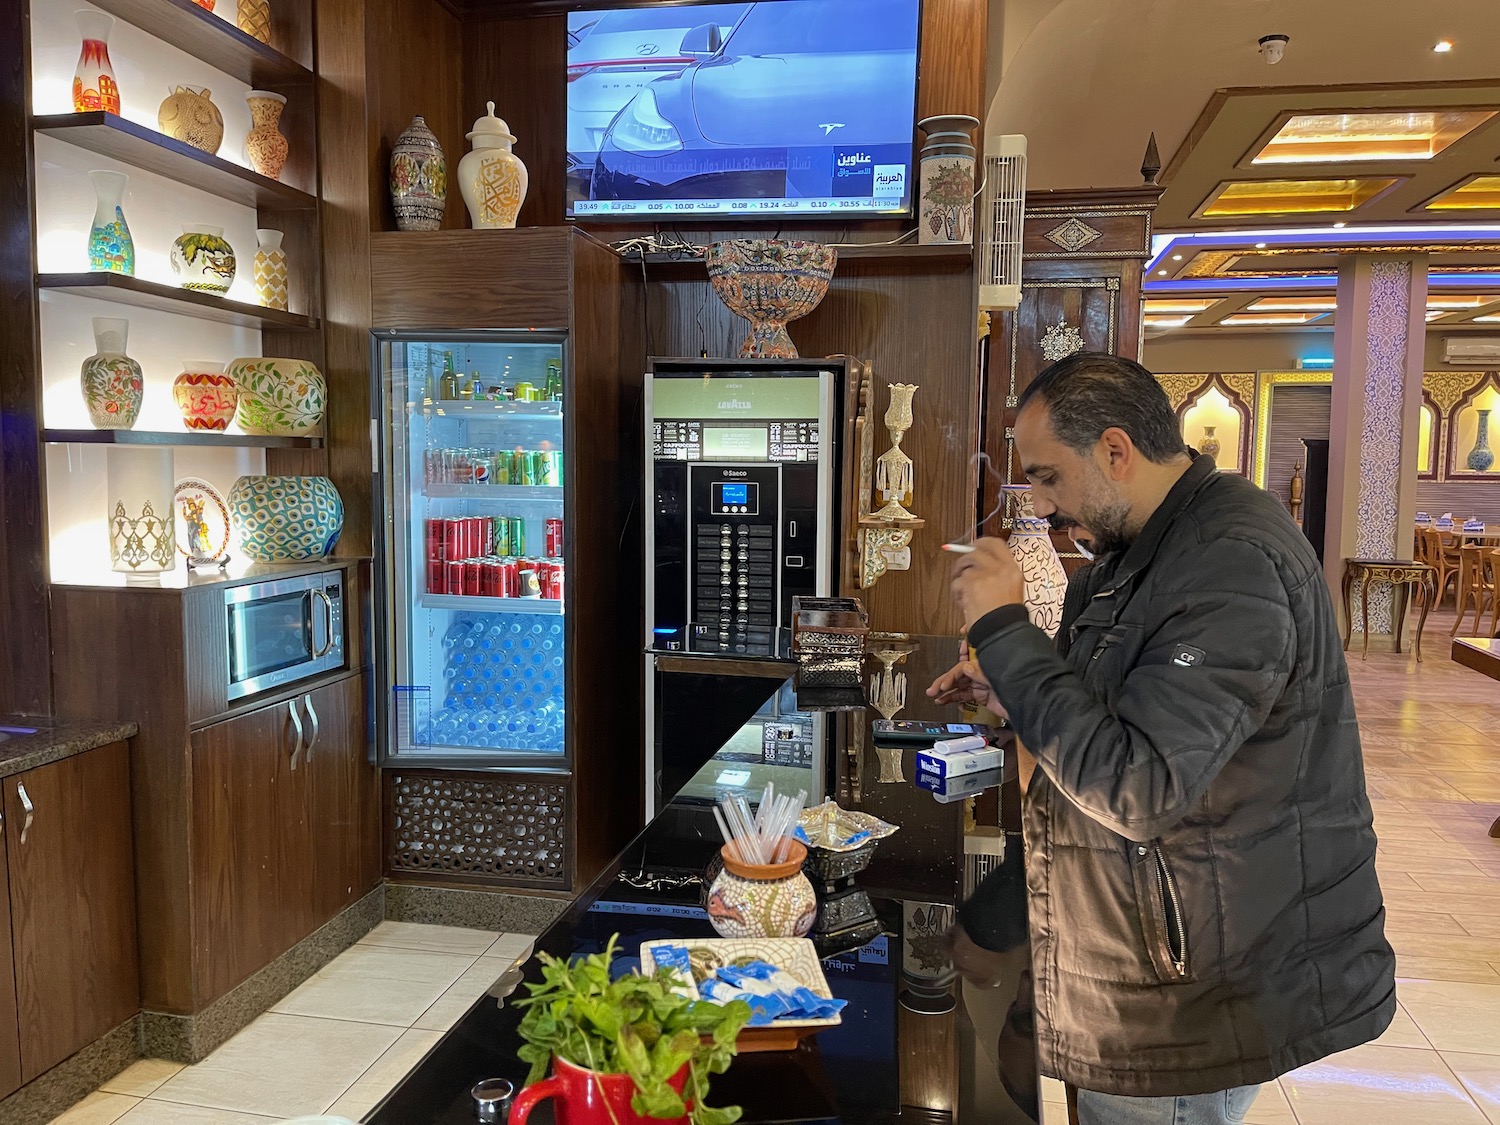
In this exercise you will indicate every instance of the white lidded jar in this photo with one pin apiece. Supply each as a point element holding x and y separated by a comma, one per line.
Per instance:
<point>492,178</point>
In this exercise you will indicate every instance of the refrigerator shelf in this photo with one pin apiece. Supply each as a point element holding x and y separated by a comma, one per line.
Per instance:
<point>542,607</point>
<point>460,408</point>
<point>510,493</point>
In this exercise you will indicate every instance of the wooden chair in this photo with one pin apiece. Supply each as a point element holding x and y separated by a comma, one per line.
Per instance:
<point>1476,586</point>
<point>1444,547</point>
<point>1429,550</point>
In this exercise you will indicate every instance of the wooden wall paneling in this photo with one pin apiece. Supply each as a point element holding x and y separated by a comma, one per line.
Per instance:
<point>108,651</point>
<point>605,427</point>
<point>72,902</point>
<point>10,1031</point>
<point>471,279</point>
<point>415,53</point>
<point>345,220</point>
<point>292,30</point>
<point>951,74</point>
<point>1296,413</point>
<point>25,687</point>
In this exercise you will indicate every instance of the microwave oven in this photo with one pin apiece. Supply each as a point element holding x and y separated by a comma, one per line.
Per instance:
<point>283,631</point>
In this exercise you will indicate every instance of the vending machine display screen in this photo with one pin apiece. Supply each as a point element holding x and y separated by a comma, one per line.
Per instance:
<point>736,499</point>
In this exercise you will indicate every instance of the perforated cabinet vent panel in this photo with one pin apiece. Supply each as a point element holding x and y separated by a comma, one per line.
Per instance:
<point>457,827</point>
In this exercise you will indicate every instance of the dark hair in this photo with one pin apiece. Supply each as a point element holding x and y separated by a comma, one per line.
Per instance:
<point>1090,392</point>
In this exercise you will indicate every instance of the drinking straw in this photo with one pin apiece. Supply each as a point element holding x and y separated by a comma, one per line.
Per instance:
<point>723,828</point>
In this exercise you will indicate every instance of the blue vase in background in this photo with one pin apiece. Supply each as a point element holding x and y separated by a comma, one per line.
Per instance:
<point>111,249</point>
<point>1480,457</point>
<point>286,519</point>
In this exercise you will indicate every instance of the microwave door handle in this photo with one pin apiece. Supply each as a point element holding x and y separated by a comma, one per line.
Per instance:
<point>327,626</point>
<point>291,709</point>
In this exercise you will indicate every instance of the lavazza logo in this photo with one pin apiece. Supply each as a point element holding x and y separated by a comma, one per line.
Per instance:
<point>734,404</point>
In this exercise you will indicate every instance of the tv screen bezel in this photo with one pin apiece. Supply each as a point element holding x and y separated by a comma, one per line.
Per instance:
<point>764,218</point>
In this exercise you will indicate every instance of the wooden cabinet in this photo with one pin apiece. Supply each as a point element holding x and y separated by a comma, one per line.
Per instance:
<point>72,905</point>
<point>10,1031</point>
<point>285,821</point>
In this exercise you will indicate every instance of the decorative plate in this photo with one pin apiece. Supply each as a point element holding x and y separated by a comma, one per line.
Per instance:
<point>202,522</point>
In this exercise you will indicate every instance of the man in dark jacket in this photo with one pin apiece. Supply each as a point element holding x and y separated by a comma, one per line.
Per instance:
<point>1205,912</point>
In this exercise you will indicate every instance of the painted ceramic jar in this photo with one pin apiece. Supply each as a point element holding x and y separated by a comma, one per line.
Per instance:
<point>1481,457</point>
<point>270,269</point>
<point>112,383</point>
<point>189,115</point>
<point>279,397</point>
<point>945,207</point>
<point>94,85</point>
<point>202,260</point>
<point>253,17</point>
<point>206,5</point>
<point>1031,544</point>
<point>205,395</point>
<point>138,498</point>
<point>769,282</point>
<point>492,178</point>
<point>111,249</point>
<point>419,178</point>
<point>1209,444</point>
<point>761,900</point>
<point>265,147</point>
<point>286,519</point>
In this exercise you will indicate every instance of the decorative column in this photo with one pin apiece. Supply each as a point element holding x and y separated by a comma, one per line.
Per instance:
<point>1377,396</point>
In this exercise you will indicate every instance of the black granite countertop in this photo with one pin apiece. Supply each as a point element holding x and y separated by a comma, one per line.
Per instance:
<point>28,742</point>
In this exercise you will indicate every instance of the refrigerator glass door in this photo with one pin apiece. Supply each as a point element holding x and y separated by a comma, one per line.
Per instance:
<point>474,479</point>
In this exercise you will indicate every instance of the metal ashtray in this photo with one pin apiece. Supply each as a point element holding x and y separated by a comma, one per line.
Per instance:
<point>492,1099</point>
<point>827,867</point>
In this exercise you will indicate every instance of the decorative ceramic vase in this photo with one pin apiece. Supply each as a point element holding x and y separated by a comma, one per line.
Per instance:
<point>265,147</point>
<point>761,899</point>
<point>270,269</point>
<point>189,115</point>
<point>253,17</point>
<point>769,282</point>
<point>1031,544</point>
<point>946,204</point>
<point>111,249</point>
<point>1209,444</point>
<point>1480,457</point>
<point>279,397</point>
<point>112,383</point>
<point>492,178</point>
<point>419,178</point>
<point>586,1097</point>
<point>286,519</point>
<point>203,260</point>
<point>138,491</point>
<point>94,85</point>
<point>206,5</point>
<point>205,395</point>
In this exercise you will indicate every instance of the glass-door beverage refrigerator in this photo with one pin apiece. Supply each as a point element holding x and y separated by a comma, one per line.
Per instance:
<point>474,463</point>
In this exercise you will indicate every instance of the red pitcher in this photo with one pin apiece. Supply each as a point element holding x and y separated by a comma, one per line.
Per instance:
<point>585,1097</point>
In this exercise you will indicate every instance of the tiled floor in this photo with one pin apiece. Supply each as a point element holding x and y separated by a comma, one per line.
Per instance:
<point>336,1045</point>
<point>344,1038</point>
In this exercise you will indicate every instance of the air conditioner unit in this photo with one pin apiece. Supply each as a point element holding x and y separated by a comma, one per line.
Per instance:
<point>1473,351</point>
<point>1002,215</point>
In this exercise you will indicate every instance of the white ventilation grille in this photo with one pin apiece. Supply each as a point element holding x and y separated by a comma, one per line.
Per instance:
<point>1002,214</point>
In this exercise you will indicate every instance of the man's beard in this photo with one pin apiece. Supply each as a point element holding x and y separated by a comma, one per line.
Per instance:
<point>1104,514</point>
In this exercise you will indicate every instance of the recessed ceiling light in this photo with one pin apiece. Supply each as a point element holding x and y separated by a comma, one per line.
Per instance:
<point>1176,257</point>
<point>1339,226</point>
<point>1161,273</point>
<point>1260,245</point>
<point>1443,46</point>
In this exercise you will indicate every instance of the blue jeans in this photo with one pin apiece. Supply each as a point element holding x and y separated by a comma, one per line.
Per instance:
<point>1227,1107</point>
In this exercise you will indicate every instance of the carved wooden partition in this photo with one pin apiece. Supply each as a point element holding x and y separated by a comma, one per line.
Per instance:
<point>1083,256</point>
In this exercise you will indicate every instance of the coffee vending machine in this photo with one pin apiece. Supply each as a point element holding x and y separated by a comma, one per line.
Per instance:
<point>742,516</point>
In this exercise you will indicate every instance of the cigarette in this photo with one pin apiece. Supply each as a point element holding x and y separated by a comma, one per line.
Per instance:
<point>959,548</point>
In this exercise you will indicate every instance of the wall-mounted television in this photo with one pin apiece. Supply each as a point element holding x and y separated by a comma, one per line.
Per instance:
<point>778,107</point>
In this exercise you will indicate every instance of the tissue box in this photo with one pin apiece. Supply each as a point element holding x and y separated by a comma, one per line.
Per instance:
<point>949,789</point>
<point>940,766</point>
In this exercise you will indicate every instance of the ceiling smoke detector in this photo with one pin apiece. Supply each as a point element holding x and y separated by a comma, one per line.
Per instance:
<point>1273,47</point>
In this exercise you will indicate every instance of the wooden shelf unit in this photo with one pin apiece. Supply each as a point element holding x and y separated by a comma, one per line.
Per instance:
<point>203,438</point>
<point>212,39</point>
<point>167,298</point>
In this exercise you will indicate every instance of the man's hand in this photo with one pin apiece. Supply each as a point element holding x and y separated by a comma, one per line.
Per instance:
<point>965,683</point>
<point>987,579</point>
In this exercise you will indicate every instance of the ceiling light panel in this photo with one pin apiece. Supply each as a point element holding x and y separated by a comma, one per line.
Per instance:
<point>1450,303</point>
<point>1482,193</point>
<point>1165,321</point>
<point>1165,306</point>
<point>1341,138</point>
<point>1295,304</point>
<point>1266,320</point>
<point>1293,197</point>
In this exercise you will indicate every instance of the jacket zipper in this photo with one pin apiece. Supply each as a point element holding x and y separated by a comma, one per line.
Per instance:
<point>1173,905</point>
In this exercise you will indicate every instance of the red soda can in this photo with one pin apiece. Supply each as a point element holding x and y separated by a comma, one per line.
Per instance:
<point>453,571</point>
<point>434,539</point>
<point>510,578</point>
<point>489,579</point>
<point>472,581</point>
<point>437,576</point>
<point>487,536</point>
<point>557,577</point>
<point>475,537</point>
<point>453,539</point>
<point>554,530</point>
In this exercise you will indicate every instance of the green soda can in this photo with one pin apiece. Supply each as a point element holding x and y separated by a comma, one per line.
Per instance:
<point>502,469</point>
<point>524,471</point>
<point>546,467</point>
<point>553,384</point>
<point>516,529</point>
<point>500,536</point>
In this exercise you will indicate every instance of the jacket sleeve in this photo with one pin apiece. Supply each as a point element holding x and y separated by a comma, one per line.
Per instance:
<point>1137,765</point>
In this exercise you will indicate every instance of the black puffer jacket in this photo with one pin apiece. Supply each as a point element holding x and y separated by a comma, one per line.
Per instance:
<point>1204,907</point>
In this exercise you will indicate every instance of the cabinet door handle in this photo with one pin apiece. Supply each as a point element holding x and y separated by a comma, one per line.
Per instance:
<point>313,738</point>
<point>27,807</point>
<point>291,708</point>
